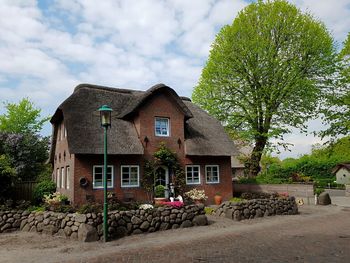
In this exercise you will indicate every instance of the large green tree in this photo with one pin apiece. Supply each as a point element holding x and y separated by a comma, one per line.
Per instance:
<point>336,105</point>
<point>265,72</point>
<point>22,117</point>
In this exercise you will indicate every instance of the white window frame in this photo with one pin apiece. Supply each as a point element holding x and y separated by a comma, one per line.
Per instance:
<point>199,174</point>
<point>206,170</point>
<point>121,176</point>
<point>168,126</point>
<point>93,177</point>
<point>62,178</point>
<point>67,176</point>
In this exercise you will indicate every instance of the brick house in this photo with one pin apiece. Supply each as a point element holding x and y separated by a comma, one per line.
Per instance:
<point>141,120</point>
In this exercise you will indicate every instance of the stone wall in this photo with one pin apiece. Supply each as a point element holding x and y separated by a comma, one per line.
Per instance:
<point>88,227</point>
<point>257,208</point>
<point>303,192</point>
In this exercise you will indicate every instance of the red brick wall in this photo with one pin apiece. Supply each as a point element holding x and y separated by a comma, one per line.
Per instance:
<point>160,106</point>
<point>62,159</point>
<point>224,187</point>
<point>84,168</point>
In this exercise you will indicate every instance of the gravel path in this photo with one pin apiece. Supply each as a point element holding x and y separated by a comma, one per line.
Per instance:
<point>317,234</point>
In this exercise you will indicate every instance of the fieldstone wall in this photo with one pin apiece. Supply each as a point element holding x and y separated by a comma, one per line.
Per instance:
<point>88,227</point>
<point>301,191</point>
<point>257,208</point>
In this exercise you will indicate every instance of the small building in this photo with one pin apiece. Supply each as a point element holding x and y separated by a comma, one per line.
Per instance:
<point>342,173</point>
<point>244,151</point>
<point>141,121</point>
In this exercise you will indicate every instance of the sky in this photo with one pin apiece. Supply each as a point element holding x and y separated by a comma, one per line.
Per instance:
<point>47,47</point>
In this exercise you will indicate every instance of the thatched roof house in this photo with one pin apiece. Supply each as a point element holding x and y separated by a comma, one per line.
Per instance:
<point>193,134</point>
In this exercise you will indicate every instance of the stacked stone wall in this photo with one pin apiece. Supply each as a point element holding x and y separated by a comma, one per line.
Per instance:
<point>88,227</point>
<point>257,208</point>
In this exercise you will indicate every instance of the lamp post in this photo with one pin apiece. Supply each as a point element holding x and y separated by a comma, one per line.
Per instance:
<point>105,117</point>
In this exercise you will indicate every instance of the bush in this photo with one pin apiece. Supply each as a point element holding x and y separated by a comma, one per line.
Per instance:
<point>159,191</point>
<point>43,188</point>
<point>90,208</point>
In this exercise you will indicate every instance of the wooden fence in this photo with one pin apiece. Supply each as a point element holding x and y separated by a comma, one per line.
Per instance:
<point>24,190</point>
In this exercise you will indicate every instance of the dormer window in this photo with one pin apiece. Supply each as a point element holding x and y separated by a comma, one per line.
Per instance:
<point>162,127</point>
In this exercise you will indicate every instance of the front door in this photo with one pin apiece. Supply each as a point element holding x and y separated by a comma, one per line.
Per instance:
<point>162,178</point>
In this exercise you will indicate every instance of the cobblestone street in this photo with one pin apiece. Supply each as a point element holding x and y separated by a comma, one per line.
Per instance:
<point>317,234</point>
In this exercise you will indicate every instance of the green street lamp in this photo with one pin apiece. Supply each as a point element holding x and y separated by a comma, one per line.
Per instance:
<point>105,117</point>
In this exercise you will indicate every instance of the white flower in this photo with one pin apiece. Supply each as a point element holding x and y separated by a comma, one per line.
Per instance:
<point>145,206</point>
<point>196,194</point>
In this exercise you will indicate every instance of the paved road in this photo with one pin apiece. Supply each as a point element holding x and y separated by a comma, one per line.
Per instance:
<point>317,234</point>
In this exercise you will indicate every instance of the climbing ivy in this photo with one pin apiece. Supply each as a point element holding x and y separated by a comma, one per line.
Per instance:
<point>163,156</point>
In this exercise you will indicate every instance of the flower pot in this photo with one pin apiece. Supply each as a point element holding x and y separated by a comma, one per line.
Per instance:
<point>218,199</point>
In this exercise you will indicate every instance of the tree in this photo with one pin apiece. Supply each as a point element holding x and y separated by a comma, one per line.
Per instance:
<point>27,153</point>
<point>336,106</point>
<point>265,72</point>
<point>21,118</point>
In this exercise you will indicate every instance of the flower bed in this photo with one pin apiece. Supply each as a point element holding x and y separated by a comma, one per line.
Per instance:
<point>88,227</point>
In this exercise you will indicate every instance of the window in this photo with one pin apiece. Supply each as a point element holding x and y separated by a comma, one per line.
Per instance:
<point>130,176</point>
<point>162,127</point>
<point>62,178</point>
<point>193,174</point>
<point>212,173</point>
<point>98,176</point>
<point>58,177</point>
<point>67,177</point>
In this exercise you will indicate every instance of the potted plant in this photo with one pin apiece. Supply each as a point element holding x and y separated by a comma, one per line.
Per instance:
<point>159,194</point>
<point>217,199</point>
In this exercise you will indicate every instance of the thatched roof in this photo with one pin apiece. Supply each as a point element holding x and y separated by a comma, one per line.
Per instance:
<point>204,135</point>
<point>341,165</point>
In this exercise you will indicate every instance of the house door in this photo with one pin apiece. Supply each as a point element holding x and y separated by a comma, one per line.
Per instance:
<point>162,178</point>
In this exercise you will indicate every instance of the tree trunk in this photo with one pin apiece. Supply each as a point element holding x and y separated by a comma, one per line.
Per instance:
<point>253,165</point>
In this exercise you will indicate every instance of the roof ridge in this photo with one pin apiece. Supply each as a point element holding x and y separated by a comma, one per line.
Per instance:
<point>105,88</point>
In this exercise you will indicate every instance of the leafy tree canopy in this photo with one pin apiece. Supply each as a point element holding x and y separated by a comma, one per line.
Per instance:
<point>336,106</point>
<point>21,118</point>
<point>265,72</point>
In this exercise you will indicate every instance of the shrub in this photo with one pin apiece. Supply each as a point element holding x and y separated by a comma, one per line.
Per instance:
<point>90,208</point>
<point>43,188</point>
<point>209,210</point>
<point>159,191</point>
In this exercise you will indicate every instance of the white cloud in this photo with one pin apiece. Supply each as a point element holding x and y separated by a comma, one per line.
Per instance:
<point>46,50</point>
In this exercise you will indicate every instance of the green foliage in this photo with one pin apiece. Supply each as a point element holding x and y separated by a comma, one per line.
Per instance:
<point>36,208</point>
<point>316,167</point>
<point>336,106</point>
<point>27,153</point>
<point>21,118</point>
<point>209,210</point>
<point>159,191</point>
<point>319,191</point>
<point>7,176</point>
<point>163,156</point>
<point>90,208</point>
<point>43,188</point>
<point>236,199</point>
<point>263,73</point>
